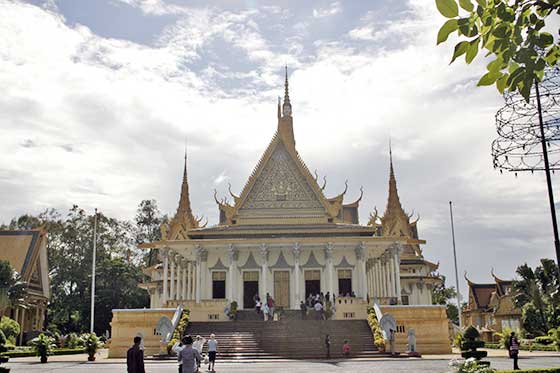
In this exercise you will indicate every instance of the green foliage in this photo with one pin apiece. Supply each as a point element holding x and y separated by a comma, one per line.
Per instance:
<point>471,343</point>
<point>471,365</point>
<point>43,345</point>
<point>9,327</point>
<point>442,295</point>
<point>232,310</point>
<point>12,288</point>
<point>504,337</point>
<point>148,221</point>
<point>545,340</point>
<point>554,334</point>
<point>458,340</point>
<point>471,333</point>
<point>91,343</point>
<point>182,325</point>
<point>69,254</point>
<point>537,293</point>
<point>73,341</point>
<point>54,351</point>
<point>513,32</point>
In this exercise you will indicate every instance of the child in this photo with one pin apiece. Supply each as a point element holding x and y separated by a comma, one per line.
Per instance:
<point>212,350</point>
<point>346,348</point>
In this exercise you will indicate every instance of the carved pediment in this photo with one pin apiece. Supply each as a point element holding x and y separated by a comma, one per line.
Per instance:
<point>281,185</point>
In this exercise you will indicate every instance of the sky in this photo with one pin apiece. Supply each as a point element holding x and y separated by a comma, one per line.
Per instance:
<point>98,99</point>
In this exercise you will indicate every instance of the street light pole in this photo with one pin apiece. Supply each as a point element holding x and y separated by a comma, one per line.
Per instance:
<point>455,259</point>
<point>93,271</point>
<point>548,178</point>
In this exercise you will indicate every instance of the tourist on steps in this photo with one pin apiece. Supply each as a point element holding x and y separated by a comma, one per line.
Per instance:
<point>270,303</point>
<point>319,309</point>
<point>258,306</point>
<point>135,358</point>
<point>266,311</point>
<point>189,355</point>
<point>212,350</point>
<point>392,341</point>
<point>346,349</point>
<point>303,309</point>
<point>198,345</point>
<point>328,346</point>
<point>514,350</point>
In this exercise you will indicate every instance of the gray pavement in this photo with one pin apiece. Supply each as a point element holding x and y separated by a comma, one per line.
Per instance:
<point>377,365</point>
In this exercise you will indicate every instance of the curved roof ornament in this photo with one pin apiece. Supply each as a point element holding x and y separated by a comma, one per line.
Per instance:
<point>417,218</point>
<point>324,182</point>
<point>235,198</point>
<point>345,187</point>
<point>316,175</point>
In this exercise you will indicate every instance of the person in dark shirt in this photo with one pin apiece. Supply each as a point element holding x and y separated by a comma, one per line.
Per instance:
<point>135,358</point>
<point>328,346</point>
<point>303,309</point>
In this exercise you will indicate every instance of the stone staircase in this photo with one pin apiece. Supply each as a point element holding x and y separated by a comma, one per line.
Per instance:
<point>289,337</point>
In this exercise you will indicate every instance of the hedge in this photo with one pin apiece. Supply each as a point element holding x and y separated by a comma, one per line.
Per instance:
<point>538,370</point>
<point>524,347</point>
<point>56,351</point>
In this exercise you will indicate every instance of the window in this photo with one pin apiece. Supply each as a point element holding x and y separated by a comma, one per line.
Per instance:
<point>218,285</point>
<point>344,282</point>
<point>404,300</point>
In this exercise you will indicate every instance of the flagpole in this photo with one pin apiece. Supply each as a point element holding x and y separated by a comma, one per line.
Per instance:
<point>93,271</point>
<point>455,259</point>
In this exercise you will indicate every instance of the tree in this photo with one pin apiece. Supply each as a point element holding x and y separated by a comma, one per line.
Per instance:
<point>148,220</point>
<point>511,31</point>
<point>441,295</point>
<point>537,294</point>
<point>12,288</point>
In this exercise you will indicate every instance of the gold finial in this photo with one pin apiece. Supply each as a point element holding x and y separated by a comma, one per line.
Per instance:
<point>287,107</point>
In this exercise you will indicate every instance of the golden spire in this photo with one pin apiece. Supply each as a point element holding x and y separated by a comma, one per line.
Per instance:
<point>395,221</point>
<point>184,211</point>
<point>287,107</point>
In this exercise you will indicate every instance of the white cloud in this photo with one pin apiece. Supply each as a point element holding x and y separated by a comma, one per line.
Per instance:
<point>333,9</point>
<point>101,122</point>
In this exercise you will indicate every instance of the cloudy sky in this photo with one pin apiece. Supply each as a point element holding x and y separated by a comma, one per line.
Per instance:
<point>98,97</point>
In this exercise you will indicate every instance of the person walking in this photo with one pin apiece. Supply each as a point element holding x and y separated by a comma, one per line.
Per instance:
<point>177,348</point>
<point>319,309</point>
<point>303,309</point>
<point>199,345</point>
<point>212,351</point>
<point>392,341</point>
<point>258,306</point>
<point>270,302</point>
<point>266,311</point>
<point>328,346</point>
<point>514,350</point>
<point>135,358</point>
<point>189,355</point>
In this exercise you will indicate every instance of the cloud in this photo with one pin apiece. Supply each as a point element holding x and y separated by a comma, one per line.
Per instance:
<point>101,121</point>
<point>333,9</point>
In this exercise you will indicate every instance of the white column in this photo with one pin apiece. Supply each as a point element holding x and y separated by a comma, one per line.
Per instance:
<point>165,295</point>
<point>178,288</point>
<point>233,254</point>
<point>184,279</point>
<point>330,267</point>
<point>172,279</point>
<point>189,280</point>
<point>391,265</point>
<point>360,254</point>
<point>297,252</point>
<point>264,269</point>
<point>387,277</point>
<point>383,275</point>
<point>397,259</point>
<point>376,277</point>
<point>198,272</point>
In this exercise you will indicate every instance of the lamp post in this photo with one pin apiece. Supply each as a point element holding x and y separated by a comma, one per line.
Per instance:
<point>455,259</point>
<point>93,271</point>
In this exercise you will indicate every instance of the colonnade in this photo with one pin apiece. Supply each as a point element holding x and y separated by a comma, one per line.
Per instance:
<point>181,277</point>
<point>383,275</point>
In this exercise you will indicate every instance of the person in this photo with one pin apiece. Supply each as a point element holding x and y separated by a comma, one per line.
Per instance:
<point>328,296</point>
<point>353,295</point>
<point>514,350</point>
<point>303,309</point>
<point>319,309</point>
<point>135,358</point>
<point>270,303</point>
<point>346,348</point>
<point>328,346</point>
<point>392,341</point>
<point>258,306</point>
<point>212,350</point>
<point>310,300</point>
<point>177,348</point>
<point>265,310</point>
<point>189,355</point>
<point>199,345</point>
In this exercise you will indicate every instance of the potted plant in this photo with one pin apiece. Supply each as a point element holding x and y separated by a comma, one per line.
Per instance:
<point>43,346</point>
<point>470,344</point>
<point>91,344</point>
<point>233,311</point>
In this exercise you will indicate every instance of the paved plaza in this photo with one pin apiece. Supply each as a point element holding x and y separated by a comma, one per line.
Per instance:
<point>376,365</point>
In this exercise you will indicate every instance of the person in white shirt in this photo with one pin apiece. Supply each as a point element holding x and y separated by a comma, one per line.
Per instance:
<point>319,308</point>
<point>212,350</point>
<point>265,310</point>
<point>198,345</point>
<point>177,348</point>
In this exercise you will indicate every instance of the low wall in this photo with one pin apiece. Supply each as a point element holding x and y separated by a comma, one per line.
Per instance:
<point>127,324</point>
<point>350,308</point>
<point>206,310</point>
<point>429,323</point>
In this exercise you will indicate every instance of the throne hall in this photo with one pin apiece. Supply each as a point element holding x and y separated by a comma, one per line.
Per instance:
<point>281,235</point>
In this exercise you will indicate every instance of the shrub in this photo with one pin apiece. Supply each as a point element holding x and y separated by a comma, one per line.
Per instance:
<point>91,343</point>
<point>378,339</point>
<point>544,340</point>
<point>470,365</point>
<point>504,337</point>
<point>471,343</point>
<point>10,327</point>
<point>73,341</point>
<point>43,346</point>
